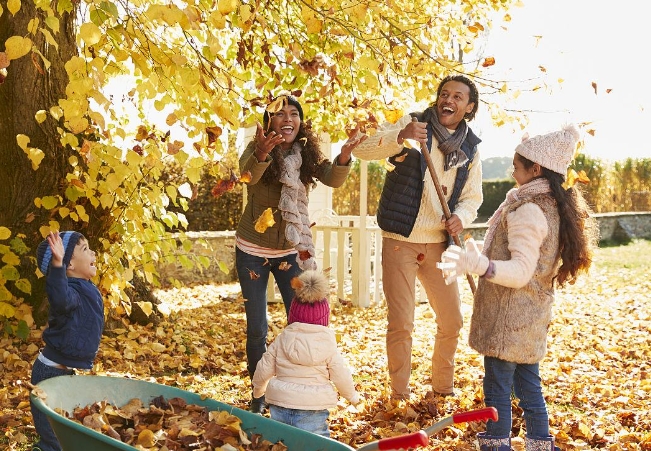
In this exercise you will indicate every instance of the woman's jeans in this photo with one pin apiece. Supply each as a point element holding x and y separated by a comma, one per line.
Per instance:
<point>314,421</point>
<point>48,441</point>
<point>253,273</point>
<point>501,379</point>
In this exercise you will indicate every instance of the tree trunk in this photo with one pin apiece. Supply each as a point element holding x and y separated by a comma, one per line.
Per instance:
<point>28,88</point>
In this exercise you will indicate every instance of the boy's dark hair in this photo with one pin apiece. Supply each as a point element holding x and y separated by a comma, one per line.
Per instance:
<point>474,93</point>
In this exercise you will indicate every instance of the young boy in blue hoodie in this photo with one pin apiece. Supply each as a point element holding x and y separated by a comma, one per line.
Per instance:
<point>75,318</point>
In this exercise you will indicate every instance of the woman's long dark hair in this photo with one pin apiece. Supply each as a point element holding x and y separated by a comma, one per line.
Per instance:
<point>578,231</point>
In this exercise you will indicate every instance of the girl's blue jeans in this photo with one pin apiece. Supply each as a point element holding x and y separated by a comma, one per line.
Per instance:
<point>503,378</point>
<point>254,290</point>
<point>48,441</point>
<point>314,421</point>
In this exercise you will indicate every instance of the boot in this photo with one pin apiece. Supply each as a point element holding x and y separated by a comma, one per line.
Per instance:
<point>258,405</point>
<point>540,444</point>
<point>492,443</point>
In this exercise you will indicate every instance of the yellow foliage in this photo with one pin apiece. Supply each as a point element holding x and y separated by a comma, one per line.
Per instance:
<point>17,46</point>
<point>208,68</point>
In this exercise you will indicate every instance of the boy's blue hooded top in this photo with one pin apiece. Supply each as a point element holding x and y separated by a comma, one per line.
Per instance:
<point>76,315</point>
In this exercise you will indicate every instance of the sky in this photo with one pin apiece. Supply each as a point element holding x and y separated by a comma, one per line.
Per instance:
<point>580,42</point>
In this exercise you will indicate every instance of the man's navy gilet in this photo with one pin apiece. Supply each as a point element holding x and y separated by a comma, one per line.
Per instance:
<point>403,187</point>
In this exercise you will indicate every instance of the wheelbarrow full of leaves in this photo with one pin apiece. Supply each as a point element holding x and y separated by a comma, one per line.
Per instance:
<point>102,413</point>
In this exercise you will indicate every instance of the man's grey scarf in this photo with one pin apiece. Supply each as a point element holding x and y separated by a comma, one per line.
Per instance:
<point>449,144</point>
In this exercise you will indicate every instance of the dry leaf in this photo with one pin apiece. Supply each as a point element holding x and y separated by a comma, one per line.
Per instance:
<point>264,221</point>
<point>213,133</point>
<point>488,62</point>
<point>245,177</point>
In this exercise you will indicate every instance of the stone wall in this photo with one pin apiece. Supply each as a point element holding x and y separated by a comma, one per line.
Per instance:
<point>220,246</point>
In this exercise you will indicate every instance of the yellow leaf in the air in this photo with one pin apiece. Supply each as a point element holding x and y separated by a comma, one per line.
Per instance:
<point>265,221</point>
<point>393,115</point>
<point>277,104</point>
<point>49,202</point>
<point>11,259</point>
<point>17,46</point>
<point>171,119</point>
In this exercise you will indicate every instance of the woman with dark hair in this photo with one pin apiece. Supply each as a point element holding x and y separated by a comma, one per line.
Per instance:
<point>285,162</point>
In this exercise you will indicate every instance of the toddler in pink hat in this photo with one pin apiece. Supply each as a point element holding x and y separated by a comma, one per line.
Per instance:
<point>300,370</point>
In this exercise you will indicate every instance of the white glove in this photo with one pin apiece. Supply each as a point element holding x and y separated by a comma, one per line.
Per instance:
<point>456,261</point>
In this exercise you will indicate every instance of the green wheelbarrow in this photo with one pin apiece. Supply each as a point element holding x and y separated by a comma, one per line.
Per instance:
<point>68,392</point>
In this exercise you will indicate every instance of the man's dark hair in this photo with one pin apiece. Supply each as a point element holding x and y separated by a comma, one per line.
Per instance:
<point>474,94</point>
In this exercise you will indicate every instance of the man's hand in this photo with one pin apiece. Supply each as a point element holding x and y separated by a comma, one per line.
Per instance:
<point>454,226</point>
<point>414,130</point>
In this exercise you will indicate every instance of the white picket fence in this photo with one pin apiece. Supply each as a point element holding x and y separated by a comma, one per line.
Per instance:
<point>352,252</point>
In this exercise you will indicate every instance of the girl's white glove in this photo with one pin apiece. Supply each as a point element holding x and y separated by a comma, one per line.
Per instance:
<point>456,261</point>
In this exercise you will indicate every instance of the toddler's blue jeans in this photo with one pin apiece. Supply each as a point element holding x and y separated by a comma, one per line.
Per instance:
<point>314,421</point>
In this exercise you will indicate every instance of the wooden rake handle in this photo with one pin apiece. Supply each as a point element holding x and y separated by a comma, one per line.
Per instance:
<point>446,210</point>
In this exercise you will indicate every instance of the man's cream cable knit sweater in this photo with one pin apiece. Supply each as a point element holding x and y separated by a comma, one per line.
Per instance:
<point>429,227</point>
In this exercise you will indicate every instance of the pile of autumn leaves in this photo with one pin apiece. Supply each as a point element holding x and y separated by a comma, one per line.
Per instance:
<point>170,425</point>
<point>596,374</point>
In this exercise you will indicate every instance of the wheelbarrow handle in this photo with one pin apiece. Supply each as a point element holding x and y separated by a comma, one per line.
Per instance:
<point>488,413</point>
<point>407,441</point>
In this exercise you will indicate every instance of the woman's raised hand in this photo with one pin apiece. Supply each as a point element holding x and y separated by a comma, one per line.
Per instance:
<point>265,142</point>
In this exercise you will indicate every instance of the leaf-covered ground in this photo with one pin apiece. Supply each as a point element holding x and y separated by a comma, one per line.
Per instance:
<point>596,374</point>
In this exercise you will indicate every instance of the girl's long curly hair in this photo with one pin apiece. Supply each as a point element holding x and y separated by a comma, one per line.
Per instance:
<point>578,231</point>
<point>313,158</point>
